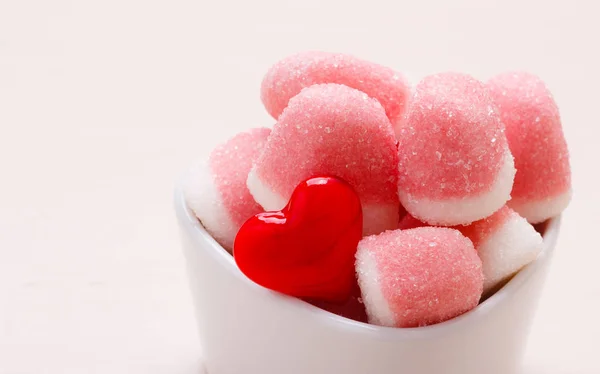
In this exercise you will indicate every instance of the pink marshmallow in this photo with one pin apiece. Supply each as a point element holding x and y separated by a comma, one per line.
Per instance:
<point>542,187</point>
<point>504,241</point>
<point>418,277</point>
<point>332,130</point>
<point>289,76</point>
<point>454,162</point>
<point>216,190</point>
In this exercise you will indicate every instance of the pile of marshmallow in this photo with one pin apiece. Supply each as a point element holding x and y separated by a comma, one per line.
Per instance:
<point>451,174</point>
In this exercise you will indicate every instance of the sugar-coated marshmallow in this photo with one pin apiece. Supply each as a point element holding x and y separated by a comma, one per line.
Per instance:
<point>289,76</point>
<point>454,162</point>
<point>333,130</point>
<point>542,187</point>
<point>418,277</point>
<point>216,188</point>
<point>505,242</point>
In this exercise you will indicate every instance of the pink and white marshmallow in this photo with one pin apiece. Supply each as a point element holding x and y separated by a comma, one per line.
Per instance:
<point>454,161</point>
<point>504,241</point>
<point>333,130</point>
<point>418,277</point>
<point>289,76</point>
<point>216,189</point>
<point>542,187</point>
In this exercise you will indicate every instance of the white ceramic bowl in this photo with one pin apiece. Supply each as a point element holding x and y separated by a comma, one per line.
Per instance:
<point>247,329</point>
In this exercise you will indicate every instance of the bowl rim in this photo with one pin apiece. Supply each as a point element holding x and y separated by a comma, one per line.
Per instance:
<point>191,224</point>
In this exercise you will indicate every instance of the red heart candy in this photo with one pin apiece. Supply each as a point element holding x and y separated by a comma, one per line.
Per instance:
<point>307,249</point>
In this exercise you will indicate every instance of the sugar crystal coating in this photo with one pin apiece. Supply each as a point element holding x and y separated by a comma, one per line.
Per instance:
<point>535,137</point>
<point>216,190</point>
<point>480,231</point>
<point>504,241</point>
<point>418,277</point>
<point>230,164</point>
<point>336,131</point>
<point>454,163</point>
<point>289,76</point>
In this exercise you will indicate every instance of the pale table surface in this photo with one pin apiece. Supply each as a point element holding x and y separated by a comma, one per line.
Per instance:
<point>104,103</point>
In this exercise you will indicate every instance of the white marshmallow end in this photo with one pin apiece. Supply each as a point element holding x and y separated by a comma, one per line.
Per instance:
<point>263,194</point>
<point>506,251</point>
<point>541,210</point>
<point>204,200</point>
<point>377,307</point>
<point>462,211</point>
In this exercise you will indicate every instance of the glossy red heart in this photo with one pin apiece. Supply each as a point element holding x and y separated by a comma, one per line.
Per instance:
<point>307,249</point>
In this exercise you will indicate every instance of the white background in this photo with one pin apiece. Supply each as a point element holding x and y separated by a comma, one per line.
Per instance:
<point>104,103</point>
